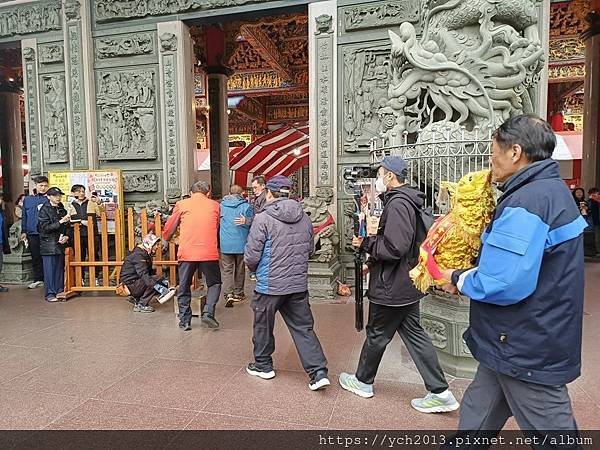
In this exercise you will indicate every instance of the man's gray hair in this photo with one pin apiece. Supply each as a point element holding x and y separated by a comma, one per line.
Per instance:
<point>201,186</point>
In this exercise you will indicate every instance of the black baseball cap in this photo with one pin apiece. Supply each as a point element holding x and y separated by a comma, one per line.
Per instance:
<point>54,191</point>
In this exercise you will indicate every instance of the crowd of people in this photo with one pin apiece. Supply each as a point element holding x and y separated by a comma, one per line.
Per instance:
<point>526,288</point>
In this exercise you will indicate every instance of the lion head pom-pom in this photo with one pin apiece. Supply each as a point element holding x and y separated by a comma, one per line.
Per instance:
<point>454,240</point>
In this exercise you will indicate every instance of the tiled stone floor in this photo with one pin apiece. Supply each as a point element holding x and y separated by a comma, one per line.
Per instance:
<point>92,363</point>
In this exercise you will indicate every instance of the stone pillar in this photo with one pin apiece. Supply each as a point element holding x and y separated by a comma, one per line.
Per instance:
<point>591,113</point>
<point>218,134</point>
<point>32,106</point>
<point>322,81</point>
<point>81,102</point>
<point>541,105</point>
<point>177,111</point>
<point>11,143</point>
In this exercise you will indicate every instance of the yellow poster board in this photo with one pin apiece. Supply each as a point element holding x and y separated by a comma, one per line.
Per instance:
<point>107,184</point>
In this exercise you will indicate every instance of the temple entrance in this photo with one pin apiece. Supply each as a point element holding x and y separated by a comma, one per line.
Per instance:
<point>13,146</point>
<point>251,90</point>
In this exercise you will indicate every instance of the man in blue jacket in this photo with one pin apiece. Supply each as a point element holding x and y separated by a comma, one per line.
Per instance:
<point>526,290</point>
<point>278,248</point>
<point>31,209</point>
<point>234,225</point>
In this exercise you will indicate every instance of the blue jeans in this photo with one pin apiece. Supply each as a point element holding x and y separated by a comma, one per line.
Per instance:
<point>54,275</point>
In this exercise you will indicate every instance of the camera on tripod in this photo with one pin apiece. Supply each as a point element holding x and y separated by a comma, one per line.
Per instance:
<point>352,175</point>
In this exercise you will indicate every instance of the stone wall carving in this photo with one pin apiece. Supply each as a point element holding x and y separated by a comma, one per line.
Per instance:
<point>31,18</point>
<point>72,8</point>
<point>77,97</point>
<point>126,114</point>
<point>140,182</point>
<point>128,45</point>
<point>51,53</point>
<point>32,123</point>
<point>324,88</point>
<point>366,78</point>
<point>437,331</point>
<point>110,10</point>
<point>323,24</point>
<point>55,144</point>
<point>476,64</point>
<point>168,42</point>
<point>381,14</point>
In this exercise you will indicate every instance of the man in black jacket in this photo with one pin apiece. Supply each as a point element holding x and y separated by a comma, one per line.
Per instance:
<point>393,299</point>
<point>136,274</point>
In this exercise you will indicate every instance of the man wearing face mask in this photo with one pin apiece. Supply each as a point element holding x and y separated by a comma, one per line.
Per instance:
<point>393,299</point>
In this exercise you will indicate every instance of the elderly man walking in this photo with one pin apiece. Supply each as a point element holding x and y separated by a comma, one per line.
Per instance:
<point>236,217</point>
<point>198,219</point>
<point>278,248</point>
<point>526,290</point>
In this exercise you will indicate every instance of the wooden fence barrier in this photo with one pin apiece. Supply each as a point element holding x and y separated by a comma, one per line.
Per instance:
<point>106,260</point>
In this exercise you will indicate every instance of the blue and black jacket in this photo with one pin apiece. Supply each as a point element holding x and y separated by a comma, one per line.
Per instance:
<point>31,209</point>
<point>527,289</point>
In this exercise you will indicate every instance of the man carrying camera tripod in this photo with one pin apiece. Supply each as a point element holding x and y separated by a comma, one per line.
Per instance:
<point>393,299</point>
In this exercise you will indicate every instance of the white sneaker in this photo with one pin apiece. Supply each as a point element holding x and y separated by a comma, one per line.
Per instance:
<point>168,296</point>
<point>35,285</point>
<point>436,403</point>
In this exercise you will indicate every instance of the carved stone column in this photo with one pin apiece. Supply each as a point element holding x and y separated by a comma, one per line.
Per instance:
<point>177,111</point>
<point>322,81</point>
<point>591,113</point>
<point>32,106</point>
<point>218,134</point>
<point>79,105</point>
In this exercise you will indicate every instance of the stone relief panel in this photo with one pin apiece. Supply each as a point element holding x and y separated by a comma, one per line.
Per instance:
<point>55,146</point>
<point>126,102</point>
<point>77,97</point>
<point>30,75</point>
<point>366,77</point>
<point>110,10</point>
<point>124,45</point>
<point>32,18</point>
<point>324,88</point>
<point>389,13</point>
<point>437,331</point>
<point>51,53</point>
<point>140,182</point>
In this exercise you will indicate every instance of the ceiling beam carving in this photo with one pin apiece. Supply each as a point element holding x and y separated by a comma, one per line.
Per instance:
<point>259,40</point>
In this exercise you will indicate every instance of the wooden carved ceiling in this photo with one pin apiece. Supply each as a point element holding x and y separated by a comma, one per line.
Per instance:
<point>268,59</point>
<point>566,48</point>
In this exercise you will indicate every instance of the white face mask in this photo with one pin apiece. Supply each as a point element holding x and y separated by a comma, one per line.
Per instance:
<point>380,185</point>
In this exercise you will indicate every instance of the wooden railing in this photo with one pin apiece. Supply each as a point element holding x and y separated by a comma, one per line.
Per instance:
<point>107,261</point>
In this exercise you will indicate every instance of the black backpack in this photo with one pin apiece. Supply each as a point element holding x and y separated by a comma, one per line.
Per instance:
<point>425,220</point>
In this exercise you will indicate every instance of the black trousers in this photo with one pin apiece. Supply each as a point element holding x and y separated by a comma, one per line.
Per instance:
<point>141,292</point>
<point>296,313</point>
<point>384,322</point>
<point>212,273</point>
<point>36,257</point>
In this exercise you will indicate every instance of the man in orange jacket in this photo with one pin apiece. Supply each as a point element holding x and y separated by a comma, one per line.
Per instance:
<point>198,219</point>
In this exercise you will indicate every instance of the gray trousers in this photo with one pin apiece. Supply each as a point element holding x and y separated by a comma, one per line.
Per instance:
<point>296,313</point>
<point>233,274</point>
<point>493,397</point>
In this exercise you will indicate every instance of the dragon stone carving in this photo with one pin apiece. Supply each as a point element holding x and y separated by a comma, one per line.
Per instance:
<point>474,66</point>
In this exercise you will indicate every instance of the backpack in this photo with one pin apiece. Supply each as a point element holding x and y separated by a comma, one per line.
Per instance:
<point>425,220</point>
